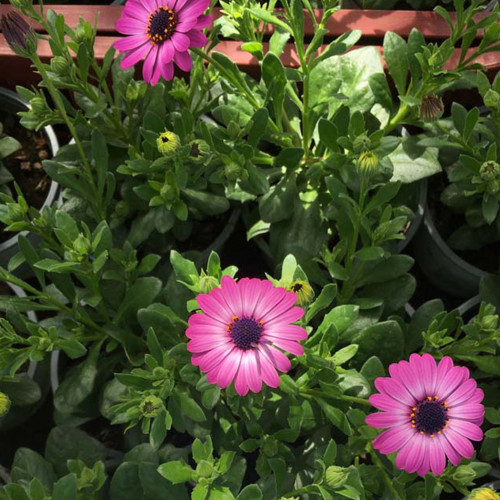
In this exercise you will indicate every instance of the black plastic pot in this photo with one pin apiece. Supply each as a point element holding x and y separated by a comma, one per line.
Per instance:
<point>12,103</point>
<point>39,373</point>
<point>441,265</point>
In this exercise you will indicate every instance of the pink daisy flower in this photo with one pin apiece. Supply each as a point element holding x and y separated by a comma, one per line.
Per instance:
<point>432,412</point>
<point>237,335</point>
<point>161,32</point>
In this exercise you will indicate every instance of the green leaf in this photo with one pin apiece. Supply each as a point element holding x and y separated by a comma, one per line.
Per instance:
<point>381,90</point>
<point>141,294</point>
<point>28,464</point>
<point>176,472</point>
<point>275,205</point>
<point>205,202</point>
<point>250,492</point>
<point>336,416</point>
<point>486,363</point>
<point>268,17</point>
<point>345,354</point>
<point>100,156</point>
<point>370,253</point>
<point>191,408</point>
<point>66,488</point>
<point>325,298</point>
<point>8,146</point>
<point>395,56</point>
<point>22,390</point>
<point>490,206</point>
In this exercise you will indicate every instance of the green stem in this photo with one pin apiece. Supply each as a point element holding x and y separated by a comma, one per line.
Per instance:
<point>342,397</point>
<point>397,119</point>
<point>387,480</point>
<point>306,140</point>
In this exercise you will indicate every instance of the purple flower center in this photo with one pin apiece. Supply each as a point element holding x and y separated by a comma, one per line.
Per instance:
<point>429,416</point>
<point>161,25</point>
<point>245,332</point>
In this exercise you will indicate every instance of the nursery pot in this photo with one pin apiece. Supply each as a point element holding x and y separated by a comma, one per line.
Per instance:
<point>441,265</point>
<point>11,103</point>
<point>36,373</point>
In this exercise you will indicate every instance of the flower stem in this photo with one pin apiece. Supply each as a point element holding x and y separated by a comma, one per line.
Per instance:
<point>341,397</point>
<point>387,480</point>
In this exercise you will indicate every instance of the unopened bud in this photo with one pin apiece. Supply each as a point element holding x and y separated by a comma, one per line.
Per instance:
<point>59,65</point>
<point>336,476</point>
<point>362,143</point>
<point>432,108</point>
<point>368,162</point>
<point>492,99</point>
<point>208,283</point>
<point>18,34</point>
<point>150,406</point>
<point>303,290</point>
<point>489,171</point>
<point>4,404</point>
<point>167,142</point>
<point>489,322</point>
<point>464,474</point>
<point>38,104</point>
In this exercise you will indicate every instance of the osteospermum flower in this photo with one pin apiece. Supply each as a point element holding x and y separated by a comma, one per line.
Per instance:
<point>432,412</point>
<point>161,32</point>
<point>242,331</point>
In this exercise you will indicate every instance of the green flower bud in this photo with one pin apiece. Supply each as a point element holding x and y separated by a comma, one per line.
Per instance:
<point>135,90</point>
<point>464,474</point>
<point>38,104</point>
<point>167,142</point>
<point>18,34</point>
<point>4,404</point>
<point>362,143</point>
<point>303,290</point>
<point>492,99</point>
<point>80,33</point>
<point>82,245</point>
<point>484,494</point>
<point>150,406</point>
<point>59,65</point>
<point>335,476</point>
<point>199,149</point>
<point>160,373</point>
<point>208,283</point>
<point>121,209</point>
<point>232,171</point>
<point>431,108</point>
<point>489,171</point>
<point>368,162</point>
<point>489,322</point>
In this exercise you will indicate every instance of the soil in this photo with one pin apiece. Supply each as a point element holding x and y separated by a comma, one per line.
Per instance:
<point>25,165</point>
<point>447,221</point>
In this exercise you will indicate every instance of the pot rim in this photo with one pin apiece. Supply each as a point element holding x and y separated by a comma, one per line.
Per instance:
<point>7,94</point>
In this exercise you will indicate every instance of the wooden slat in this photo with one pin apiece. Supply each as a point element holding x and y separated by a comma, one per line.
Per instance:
<point>372,23</point>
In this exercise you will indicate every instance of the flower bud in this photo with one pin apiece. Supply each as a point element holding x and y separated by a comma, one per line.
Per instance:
<point>4,404</point>
<point>233,171</point>
<point>368,162</point>
<point>336,476</point>
<point>80,33</point>
<point>464,474</point>
<point>362,143</point>
<point>432,108</point>
<point>303,290</point>
<point>121,209</point>
<point>484,494</point>
<point>199,149</point>
<point>18,34</point>
<point>489,171</point>
<point>160,373</point>
<point>208,283</point>
<point>492,99</point>
<point>135,90</point>
<point>167,142</point>
<point>150,406</point>
<point>38,105</point>
<point>489,322</point>
<point>59,65</point>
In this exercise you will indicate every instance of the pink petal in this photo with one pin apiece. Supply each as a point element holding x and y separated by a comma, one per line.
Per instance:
<point>452,454</point>
<point>290,316</point>
<point>462,393</point>
<point>407,375</point>
<point>207,361</point>
<point>393,439</point>
<point>290,346</point>
<point>228,368</point>
<point>477,397</point>
<point>426,462</point>
<point>279,360</point>
<point>130,42</point>
<point>149,64</point>
<point>461,444</point>
<point>240,383</point>
<point>386,403</point>
<point>469,411</point>
<point>180,41</point>
<point>437,457</point>
<point>394,389</point>
<point>406,451</point>
<point>198,39</point>
<point>203,22</point>
<point>167,71</point>
<point>183,60</point>
<point>201,320</point>
<point>288,332</point>
<point>287,302</point>
<point>384,420</point>
<point>186,25</point>
<point>252,292</point>
<point>207,344</point>
<point>204,331</point>
<point>250,366</point>
<point>192,8</point>
<point>429,367</point>
<point>229,291</point>
<point>268,372</point>
<point>135,55</point>
<point>269,302</point>
<point>135,9</point>
<point>451,380</point>
<point>167,53</point>
<point>416,453</point>
<point>129,26</point>
<point>466,429</point>
<point>213,307</point>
